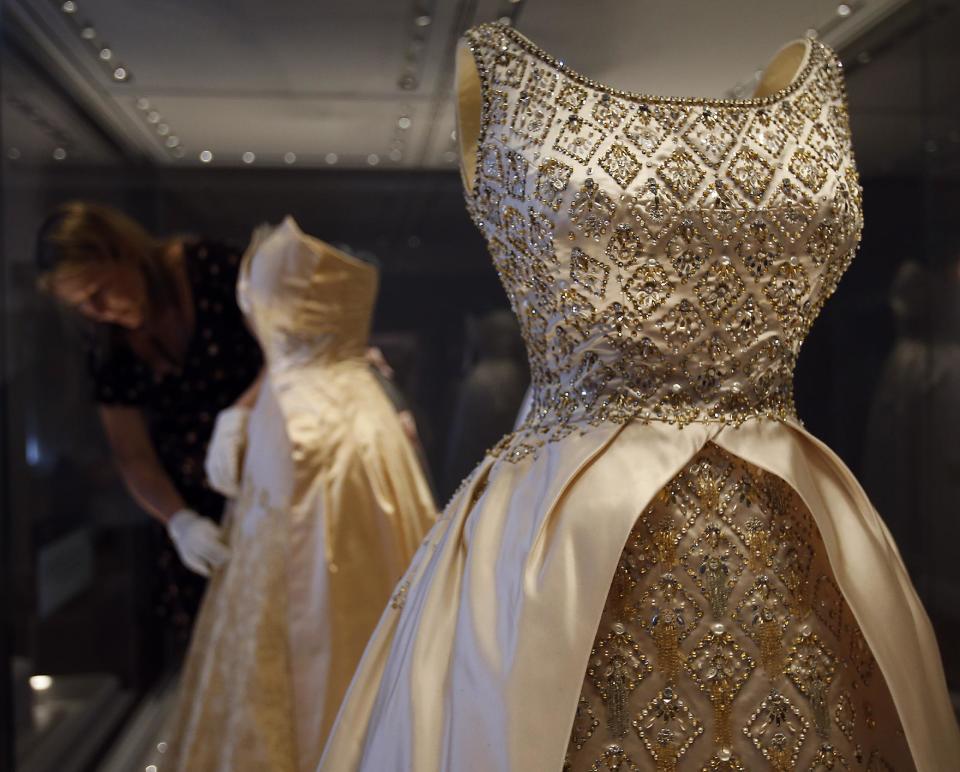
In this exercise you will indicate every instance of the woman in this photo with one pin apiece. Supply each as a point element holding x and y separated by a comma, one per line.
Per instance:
<point>168,351</point>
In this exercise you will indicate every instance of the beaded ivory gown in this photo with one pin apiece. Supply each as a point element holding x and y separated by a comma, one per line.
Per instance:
<point>333,505</point>
<point>661,569</point>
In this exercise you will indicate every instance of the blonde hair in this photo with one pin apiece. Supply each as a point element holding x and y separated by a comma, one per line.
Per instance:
<point>79,235</point>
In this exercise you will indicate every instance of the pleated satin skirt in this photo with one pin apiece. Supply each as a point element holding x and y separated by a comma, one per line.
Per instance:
<point>586,606</point>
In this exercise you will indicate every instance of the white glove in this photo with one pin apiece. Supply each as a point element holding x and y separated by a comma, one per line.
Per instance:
<point>224,461</point>
<point>198,540</point>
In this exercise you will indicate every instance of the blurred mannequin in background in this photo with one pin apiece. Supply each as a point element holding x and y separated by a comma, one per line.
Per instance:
<point>915,479</point>
<point>167,351</point>
<point>489,396</point>
<point>330,504</point>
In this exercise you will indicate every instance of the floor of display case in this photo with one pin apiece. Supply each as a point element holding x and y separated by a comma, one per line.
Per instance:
<point>141,744</point>
<point>69,719</point>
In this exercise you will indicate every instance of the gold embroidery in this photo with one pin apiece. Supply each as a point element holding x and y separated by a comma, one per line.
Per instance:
<point>735,653</point>
<point>682,221</point>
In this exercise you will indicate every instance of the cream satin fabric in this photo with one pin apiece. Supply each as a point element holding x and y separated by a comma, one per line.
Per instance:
<point>482,668</point>
<point>334,504</point>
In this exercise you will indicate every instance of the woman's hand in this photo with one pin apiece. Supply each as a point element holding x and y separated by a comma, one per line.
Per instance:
<point>198,541</point>
<point>224,461</point>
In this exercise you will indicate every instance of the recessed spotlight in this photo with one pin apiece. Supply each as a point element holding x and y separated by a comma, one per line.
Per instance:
<point>844,10</point>
<point>69,6</point>
<point>423,20</point>
<point>289,158</point>
<point>248,157</point>
<point>161,747</point>
<point>59,154</point>
<point>106,54</point>
<point>373,159</point>
<point>331,158</point>
<point>40,683</point>
<point>120,73</point>
<point>407,81</point>
<point>404,122</point>
<point>172,141</point>
<point>150,768</point>
<point>163,129</point>
<point>153,117</point>
<point>505,20</point>
<point>396,154</point>
<point>88,33</point>
<point>13,154</point>
<point>143,104</point>
<point>812,33</point>
<point>453,135</point>
<point>206,156</point>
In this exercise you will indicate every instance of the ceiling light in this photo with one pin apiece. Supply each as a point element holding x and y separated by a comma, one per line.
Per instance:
<point>404,122</point>
<point>120,73</point>
<point>423,21</point>
<point>143,104</point>
<point>69,6</point>
<point>13,154</point>
<point>150,768</point>
<point>163,129</point>
<point>289,158</point>
<point>161,747</point>
<point>59,154</point>
<point>106,54</point>
<point>153,117</point>
<point>505,20</point>
<point>206,156</point>
<point>407,81</point>
<point>40,683</point>
<point>453,135</point>
<point>844,10</point>
<point>331,158</point>
<point>812,33</point>
<point>373,159</point>
<point>396,154</point>
<point>172,141</point>
<point>248,157</point>
<point>88,33</point>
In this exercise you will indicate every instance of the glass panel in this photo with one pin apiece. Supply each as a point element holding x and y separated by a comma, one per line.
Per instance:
<point>341,116</point>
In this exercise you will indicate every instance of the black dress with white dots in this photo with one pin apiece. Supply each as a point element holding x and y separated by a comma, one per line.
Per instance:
<point>221,361</point>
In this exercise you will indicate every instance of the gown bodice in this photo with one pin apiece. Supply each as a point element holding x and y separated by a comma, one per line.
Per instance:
<point>307,302</point>
<point>665,256</point>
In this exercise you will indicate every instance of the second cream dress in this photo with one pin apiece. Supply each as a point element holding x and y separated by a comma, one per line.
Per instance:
<point>333,505</point>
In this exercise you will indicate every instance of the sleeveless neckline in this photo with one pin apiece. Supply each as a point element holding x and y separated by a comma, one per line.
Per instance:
<point>799,77</point>
<point>639,99</point>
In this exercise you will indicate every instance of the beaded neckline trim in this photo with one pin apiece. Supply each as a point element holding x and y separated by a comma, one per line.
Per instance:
<point>809,60</point>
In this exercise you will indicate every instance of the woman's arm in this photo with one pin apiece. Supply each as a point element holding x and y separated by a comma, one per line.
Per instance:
<point>249,398</point>
<point>134,453</point>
